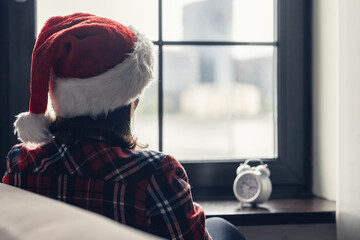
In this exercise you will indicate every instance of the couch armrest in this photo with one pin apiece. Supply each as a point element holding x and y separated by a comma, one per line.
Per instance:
<point>25,215</point>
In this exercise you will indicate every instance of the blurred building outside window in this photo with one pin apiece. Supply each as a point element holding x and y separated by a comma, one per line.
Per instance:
<point>219,100</point>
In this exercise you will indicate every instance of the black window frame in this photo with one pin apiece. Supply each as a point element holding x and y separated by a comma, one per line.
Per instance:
<point>291,170</point>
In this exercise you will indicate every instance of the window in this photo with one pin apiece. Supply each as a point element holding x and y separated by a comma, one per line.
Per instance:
<point>215,97</point>
<point>233,83</point>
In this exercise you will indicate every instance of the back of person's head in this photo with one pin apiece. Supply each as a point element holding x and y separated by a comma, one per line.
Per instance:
<point>92,68</point>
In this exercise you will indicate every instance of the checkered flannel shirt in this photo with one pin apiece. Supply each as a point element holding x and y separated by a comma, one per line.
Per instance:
<point>145,189</point>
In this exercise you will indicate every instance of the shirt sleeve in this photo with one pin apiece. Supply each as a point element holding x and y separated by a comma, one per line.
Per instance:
<point>171,211</point>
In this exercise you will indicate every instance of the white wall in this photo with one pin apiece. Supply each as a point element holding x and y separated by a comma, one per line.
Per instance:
<point>348,205</point>
<point>325,98</point>
<point>336,94</point>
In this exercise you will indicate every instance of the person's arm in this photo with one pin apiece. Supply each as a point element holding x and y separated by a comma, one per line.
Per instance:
<point>171,211</point>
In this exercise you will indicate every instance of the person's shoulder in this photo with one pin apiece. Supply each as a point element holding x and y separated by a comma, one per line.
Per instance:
<point>22,156</point>
<point>151,157</point>
<point>22,148</point>
<point>15,151</point>
<point>167,164</point>
<point>170,162</point>
<point>156,161</point>
<point>160,158</point>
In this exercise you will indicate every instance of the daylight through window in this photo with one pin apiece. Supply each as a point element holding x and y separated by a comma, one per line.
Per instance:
<point>215,93</point>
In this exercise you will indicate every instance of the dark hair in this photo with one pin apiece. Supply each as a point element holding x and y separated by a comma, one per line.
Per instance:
<point>113,127</point>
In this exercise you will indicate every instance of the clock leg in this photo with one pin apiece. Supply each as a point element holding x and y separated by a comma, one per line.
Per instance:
<point>254,205</point>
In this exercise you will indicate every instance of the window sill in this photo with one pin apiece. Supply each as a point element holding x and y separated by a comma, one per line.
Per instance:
<point>273,212</point>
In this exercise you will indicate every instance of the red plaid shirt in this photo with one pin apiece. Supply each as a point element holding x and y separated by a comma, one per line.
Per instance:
<point>143,189</point>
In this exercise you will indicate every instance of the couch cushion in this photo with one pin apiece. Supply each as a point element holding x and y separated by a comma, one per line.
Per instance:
<point>25,215</point>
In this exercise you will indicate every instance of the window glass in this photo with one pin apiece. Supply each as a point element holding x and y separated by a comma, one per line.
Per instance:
<point>218,20</point>
<point>145,124</point>
<point>219,102</point>
<point>142,14</point>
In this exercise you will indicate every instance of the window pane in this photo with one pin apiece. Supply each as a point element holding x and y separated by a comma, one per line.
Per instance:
<point>221,20</point>
<point>142,14</point>
<point>219,102</point>
<point>145,125</point>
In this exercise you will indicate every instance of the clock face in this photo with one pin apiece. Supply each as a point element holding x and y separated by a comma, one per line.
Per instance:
<point>248,186</point>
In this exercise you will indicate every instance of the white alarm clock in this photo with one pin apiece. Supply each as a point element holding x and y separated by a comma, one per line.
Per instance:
<point>252,184</point>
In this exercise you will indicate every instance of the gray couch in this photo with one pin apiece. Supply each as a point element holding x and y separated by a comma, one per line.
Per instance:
<point>24,215</point>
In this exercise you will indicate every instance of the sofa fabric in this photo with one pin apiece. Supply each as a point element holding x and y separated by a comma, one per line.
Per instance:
<point>25,215</point>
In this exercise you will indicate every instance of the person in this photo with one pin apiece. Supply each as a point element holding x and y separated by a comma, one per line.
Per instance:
<point>87,75</point>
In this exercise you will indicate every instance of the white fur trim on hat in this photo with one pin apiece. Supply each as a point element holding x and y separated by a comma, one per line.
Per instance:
<point>104,93</point>
<point>33,129</point>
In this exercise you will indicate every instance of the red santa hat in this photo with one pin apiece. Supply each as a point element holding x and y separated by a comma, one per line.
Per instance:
<point>89,66</point>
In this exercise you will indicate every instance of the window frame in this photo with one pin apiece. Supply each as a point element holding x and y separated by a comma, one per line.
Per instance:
<point>290,172</point>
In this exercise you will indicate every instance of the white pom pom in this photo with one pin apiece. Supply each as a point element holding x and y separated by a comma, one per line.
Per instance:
<point>33,129</point>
